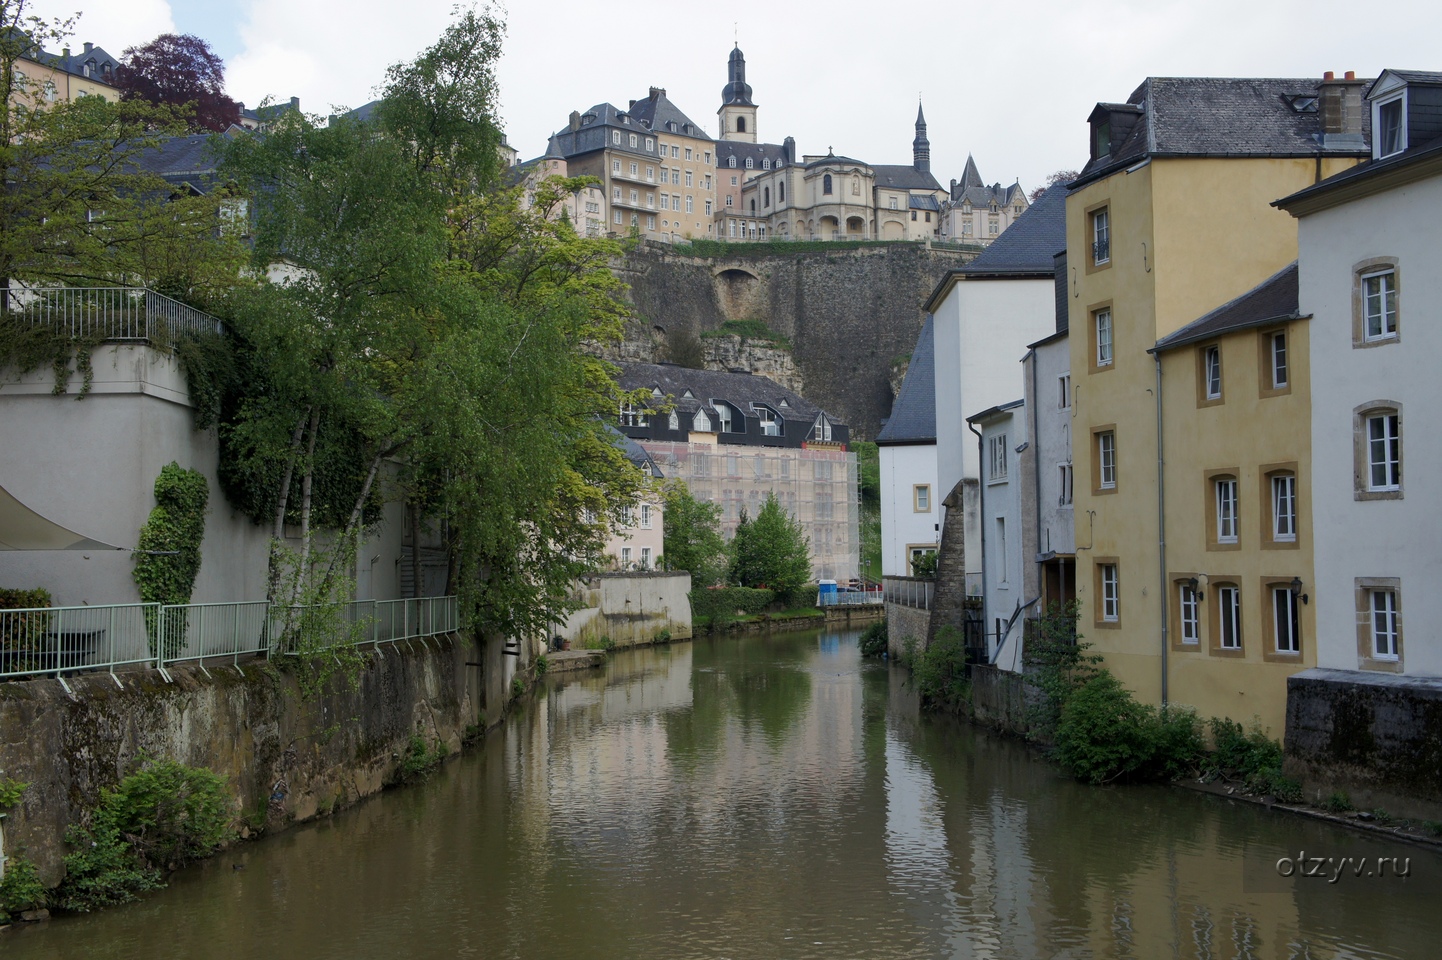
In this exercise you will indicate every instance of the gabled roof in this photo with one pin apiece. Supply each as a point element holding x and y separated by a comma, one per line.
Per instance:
<point>658,112</point>
<point>1411,164</point>
<point>741,390</point>
<point>635,453</point>
<point>1272,300</point>
<point>1031,242</point>
<point>913,414</point>
<point>1218,117</point>
<point>906,177</point>
<point>1413,78</point>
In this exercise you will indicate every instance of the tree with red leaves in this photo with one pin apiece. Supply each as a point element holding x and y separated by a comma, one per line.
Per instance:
<point>179,70</point>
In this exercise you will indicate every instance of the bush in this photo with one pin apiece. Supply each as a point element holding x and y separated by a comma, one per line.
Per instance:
<point>1242,754</point>
<point>418,762</point>
<point>542,665</point>
<point>1057,665</point>
<point>940,672</point>
<point>873,640</point>
<point>21,888</point>
<point>1338,802</point>
<point>718,607</point>
<point>156,819</point>
<point>1104,734</point>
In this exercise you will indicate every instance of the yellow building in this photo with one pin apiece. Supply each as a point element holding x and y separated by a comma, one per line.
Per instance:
<point>1170,218</point>
<point>61,77</point>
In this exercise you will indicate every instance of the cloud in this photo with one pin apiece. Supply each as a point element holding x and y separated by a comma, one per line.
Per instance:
<point>112,25</point>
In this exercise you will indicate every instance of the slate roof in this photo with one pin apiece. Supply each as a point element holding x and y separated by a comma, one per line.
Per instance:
<point>738,389</point>
<point>1363,172</point>
<point>1275,298</point>
<point>906,177</point>
<point>1219,117</point>
<point>1426,78</point>
<point>913,414</point>
<point>190,160</point>
<point>778,153</point>
<point>658,111</point>
<point>635,452</point>
<point>592,136</point>
<point>836,158</point>
<point>74,63</point>
<point>1030,244</point>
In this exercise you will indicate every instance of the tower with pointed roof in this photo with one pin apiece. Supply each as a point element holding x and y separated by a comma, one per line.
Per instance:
<point>737,113</point>
<point>921,147</point>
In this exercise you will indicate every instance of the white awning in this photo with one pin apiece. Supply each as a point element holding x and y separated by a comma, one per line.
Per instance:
<point>23,529</point>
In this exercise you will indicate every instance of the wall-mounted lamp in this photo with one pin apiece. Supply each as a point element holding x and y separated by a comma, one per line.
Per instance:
<point>1296,586</point>
<point>1195,584</point>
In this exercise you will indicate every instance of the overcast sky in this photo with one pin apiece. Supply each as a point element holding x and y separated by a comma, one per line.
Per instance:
<point>1010,83</point>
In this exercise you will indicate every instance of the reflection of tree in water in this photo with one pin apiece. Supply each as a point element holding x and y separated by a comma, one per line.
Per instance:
<point>773,697</point>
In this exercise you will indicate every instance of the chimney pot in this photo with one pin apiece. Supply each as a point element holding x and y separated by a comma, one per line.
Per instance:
<point>1329,75</point>
<point>1351,75</point>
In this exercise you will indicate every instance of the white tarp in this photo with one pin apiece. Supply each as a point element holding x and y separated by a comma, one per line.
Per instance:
<point>23,529</point>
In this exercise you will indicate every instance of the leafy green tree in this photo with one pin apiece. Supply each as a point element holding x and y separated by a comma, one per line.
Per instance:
<point>771,551</point>
<point>693,538</point>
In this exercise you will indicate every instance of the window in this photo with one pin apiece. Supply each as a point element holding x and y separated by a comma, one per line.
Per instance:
<point>676,175</point>
<point>1211,372</point>
<point>675,151</point>
<point>690,179</point>
<point>673,422</point>
<point>1379,305</point>
<point>913,215</point>
<point>733,179</point>
<point>633,169</point>
<point>645,558</point>
<point>708,158</point>
<point>915,554</point>
<point>701,423</point>
<point>625,558</point>
<point>921,498</point>
<point>892,202</point>
<point>1101,237</point>
<point>731,162</point>
<point>645,516</point>
<point>688,153</point>
<point>1384,452</point>
<point>688,203</point>
<point>1189,618</point>
<point>615,166</point>
<point>1225,495</point>
<point>992,226</point>
<point>1386,628</point>
<point>1102,321</point>
<point>1064,391</point>
<point>650,223</point>
<point>826,184</point>
<point>770,423</point>
<point>632,417</point>
<point>1064,496</point>
<point>708,208</point>
<point>766,164</point>
<point>1284,507</point>
<point>1229,617</point>
<point>730,198</point>
<point>750,163</point>
<point>707,184</point>
<point>1108,593</point>
<point>1285,633</point>
<point>766,196</point>
<point>1390,127</point>
<point>740,124</point>
<point>726,418</point>
<point>996,446</point>
<point>635,196</point>
<point>928,217</point>
<point>1106,460</point>
<point>1276,377</point>
<point>617,215</point>
<point>665,202</point>
<point>633,141</point>
<point>650,145</point>
<point>1001,565</point>
<point>616,137</point>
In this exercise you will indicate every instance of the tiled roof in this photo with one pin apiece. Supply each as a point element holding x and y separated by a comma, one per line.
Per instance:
<point>904,177</point>
<point>1273,299</point>
<point>1219,116</point>
<point>913,414</point>
<point>738,389</point>
<point>1030,244</point>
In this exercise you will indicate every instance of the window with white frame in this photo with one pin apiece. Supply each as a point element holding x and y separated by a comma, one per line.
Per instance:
<point>616,137</point>
<point>650,144</point>
<point>1226,497</point>
<point>1284,620</point>
<point>1064,391</point>
<point>1107,459</point>
<point>708,208</point>
<point>1189,614</point>
<point>1284,507</point>
<point>645,558</point>
<point>1277,352</point>
<point>1103,322</point>
<point>631,416</point>
<point>633,168</point>
<point>1110,593</point>
<point>921,498</point>
<point>1386,626</point>
<point>1384,452</point>
<point>665,201</point>
<point>1229,617</point>
<point>688,203</point>
<point>1064,495</point>
<point>1390,128</point>
<point>616,215</point>
<point>1001,564</point>
<point>645,516</point>
<point>633,141</point>
<point>997,447</point>
<point>1379,305</point>
<point>673,421</point>
<point>1212,371</point>
<point>616,195</point>
<point>625,558</point>
<point>770,423</point>
<point>1101,237</point>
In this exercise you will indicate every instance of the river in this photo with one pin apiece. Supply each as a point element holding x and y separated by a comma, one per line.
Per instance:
<point>769,797</point>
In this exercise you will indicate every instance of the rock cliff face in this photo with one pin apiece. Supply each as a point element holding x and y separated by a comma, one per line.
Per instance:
<point>758,356</point>
<point>848,315</point>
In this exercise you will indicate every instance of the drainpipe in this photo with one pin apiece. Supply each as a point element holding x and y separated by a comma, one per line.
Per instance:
<point>981,522</point>
<point>1036,465</point>
<point>1162,527</point>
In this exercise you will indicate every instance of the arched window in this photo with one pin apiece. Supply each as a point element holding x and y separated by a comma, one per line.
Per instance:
<point>781,191</point>
<point>767,195</point>
<point>753,206</point>
<point>701,422</point>
<point>826,184</point>
<point>740,124</point>
<point>856,186</point>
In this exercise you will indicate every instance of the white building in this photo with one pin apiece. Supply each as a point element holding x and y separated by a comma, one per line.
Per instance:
<point>985,314</point>
<point>1003,541</point>
<point>1369,243</point>
<point>1046,468</point>
<point>910,514</point>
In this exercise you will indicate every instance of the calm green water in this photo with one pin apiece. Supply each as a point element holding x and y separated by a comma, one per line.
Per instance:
<point>768,797</point>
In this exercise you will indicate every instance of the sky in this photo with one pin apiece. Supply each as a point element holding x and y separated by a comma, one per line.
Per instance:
<point>1009,83</point>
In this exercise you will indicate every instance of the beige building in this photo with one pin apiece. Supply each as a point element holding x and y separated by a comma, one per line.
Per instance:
<point>976,213</point>
<point>656,167</point>
<point>60,77</point>
<point>584,207</point>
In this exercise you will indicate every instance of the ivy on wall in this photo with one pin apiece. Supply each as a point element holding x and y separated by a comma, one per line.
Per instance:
<point>168,558</point>
<point>27,346</point>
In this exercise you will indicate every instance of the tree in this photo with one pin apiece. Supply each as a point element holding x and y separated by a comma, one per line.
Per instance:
<point>179,70</point>
<point>771,551</point>
<point>1052,179</point>
<point>693,538</point>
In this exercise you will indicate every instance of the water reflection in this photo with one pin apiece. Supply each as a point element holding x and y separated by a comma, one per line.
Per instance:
<point>766,797</point>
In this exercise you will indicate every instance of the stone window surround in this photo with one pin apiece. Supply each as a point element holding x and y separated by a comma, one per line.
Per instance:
<point>1099,600</point>
<point>1089,221</point>
<point>1174,603</point>
<point>1214,589</point>
<point>1203,379</point>
<point>1096,466</point>
<point>1092,311</point>
<point>1366,659</point>
<point>1361,456</point>
<point>1264,363</point>
<point>1360,269</point>
<point>1270,653</point>
<point>1265,474</point>
<point>1209,512</point>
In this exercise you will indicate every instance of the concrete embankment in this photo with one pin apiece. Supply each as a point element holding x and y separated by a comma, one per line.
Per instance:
<point>286,758</point>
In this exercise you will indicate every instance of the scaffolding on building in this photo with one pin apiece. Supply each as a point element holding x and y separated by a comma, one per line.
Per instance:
<point>816,486</point>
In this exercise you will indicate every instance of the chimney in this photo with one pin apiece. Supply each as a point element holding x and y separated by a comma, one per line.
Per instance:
<point>1339,107</point>
<point>575,119</point>
<point>632,104</point>
<point>295,104</point>
<point>88,45</point>
<point>657,91</point>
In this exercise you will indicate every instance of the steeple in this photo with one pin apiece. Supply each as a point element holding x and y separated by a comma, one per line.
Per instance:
<point>971,177</point>
<point>921,147</point>
<point>737,112</point>
<point>737,91</point>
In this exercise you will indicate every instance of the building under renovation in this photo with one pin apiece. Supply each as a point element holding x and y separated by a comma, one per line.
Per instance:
<point>733,438</point>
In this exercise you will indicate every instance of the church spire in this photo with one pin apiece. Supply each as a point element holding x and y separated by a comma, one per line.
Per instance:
<point>737,91</point>
<point>921,147</point>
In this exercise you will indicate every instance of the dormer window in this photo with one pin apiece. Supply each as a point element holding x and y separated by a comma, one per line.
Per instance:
<point>1102,139</point>
<point>731,161</point>
<point>771,423</point>
<point>728,418</point>
<point>821,430</point>
<point>1389,126</point>
<point>750,163</point>
<point>688,395</point>
<point>701,422</point>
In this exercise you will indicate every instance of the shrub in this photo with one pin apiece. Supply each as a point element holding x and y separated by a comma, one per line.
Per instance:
<point>1057,665</point>
<point>940,672</point>
<point>417,762</point>
<point>518,687</point>
<point>543,664</point>
<point>1338,802</point>
<point>1242,754</point>
<point>156,819</point>
<point>873,640</point>
<point>1104,734</point>
<point>20,889</point>
<point>718,607</point>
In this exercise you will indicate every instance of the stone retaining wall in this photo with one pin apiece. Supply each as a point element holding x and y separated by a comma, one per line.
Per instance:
<point>903,622</point>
